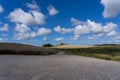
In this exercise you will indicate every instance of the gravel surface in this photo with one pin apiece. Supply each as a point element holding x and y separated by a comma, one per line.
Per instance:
<point>57,67</point>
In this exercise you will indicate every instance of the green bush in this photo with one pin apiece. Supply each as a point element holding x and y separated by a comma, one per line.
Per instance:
<point>47,45</point>
<point>62,44</point>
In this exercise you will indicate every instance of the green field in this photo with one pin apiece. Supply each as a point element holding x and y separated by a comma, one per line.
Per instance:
<point>107,52</point>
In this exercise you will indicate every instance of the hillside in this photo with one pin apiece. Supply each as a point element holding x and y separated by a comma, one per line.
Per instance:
<point>15,48</point>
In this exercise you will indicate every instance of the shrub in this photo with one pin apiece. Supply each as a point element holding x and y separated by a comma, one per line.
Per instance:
<point>47,45</point>
<point>62,44</point>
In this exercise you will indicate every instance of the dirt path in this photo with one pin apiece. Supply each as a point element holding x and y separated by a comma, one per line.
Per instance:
<point>57,67</point>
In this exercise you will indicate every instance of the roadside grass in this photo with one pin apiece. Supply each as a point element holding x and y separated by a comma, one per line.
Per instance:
<point>116,58</point>
<point>101,52</point>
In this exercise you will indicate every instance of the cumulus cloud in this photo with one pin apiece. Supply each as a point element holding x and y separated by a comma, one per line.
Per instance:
<point>43,31</point>
<point>112,33</point>
<point>32,5</point>
<point>110,27</point>
<point>111,8</point>
<point>79,30</point>
<point>1,9</point>
<point>22,28</point>
<point>62,30</point>
<point>91,27</point>
<point>76,22</point>
<point>4,28</point>
<point>88,27</point>
<point>76,37</point>
<point>29,18</point>
<point>59,39</point>
<point>52,11</point>
<point>92,37</point>
<point>23,32</point>
<point>117,38</point>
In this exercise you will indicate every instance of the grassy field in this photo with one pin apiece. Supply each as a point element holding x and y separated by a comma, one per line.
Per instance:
<point>107,52</point>
<point>24,49</point>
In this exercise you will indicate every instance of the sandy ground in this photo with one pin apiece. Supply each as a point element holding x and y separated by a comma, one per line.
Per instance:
<point>71,46</point>
<point>57,67</point>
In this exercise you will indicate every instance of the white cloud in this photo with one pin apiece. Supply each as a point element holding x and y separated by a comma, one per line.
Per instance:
<point>39,18</point>
<point>62,30</point>
<point>88,27</point>
<point>76,37</point>
<point>59,39</point>
<point>32,5</point>
<point>99,35</point>
<point>112,33</point>
<point>23,32</point>
<point>4,28</point>
<point>91,27</point>
<point>110,27</point>
<point>111,8</point>
<point>92,37</point>
<point>52,11</point>
<point>117,37</point>
<point>3,39</point>
<point>76,22</point>
<point>29,18</point>
<point>45,38</point>
<point>4,35</point>
<point>22,28</point>
<point>1,9</point>
<point>79,30</point>
<point>43,31</point>
<point>94,27</point>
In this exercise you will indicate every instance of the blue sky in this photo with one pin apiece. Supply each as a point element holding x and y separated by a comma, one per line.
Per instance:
<point>81,22</point>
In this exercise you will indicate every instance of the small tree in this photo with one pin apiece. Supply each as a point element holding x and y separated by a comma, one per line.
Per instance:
<point>62,44</point>
<point>47,45</point>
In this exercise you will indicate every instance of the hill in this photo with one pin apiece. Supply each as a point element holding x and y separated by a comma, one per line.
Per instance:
<point>24,49</point>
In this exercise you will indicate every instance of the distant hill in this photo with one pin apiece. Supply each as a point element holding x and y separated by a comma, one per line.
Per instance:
<point>24,49</point>
<point>108,45</point>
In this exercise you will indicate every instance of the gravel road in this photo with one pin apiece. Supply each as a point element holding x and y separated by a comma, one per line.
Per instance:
<point>57,67</point>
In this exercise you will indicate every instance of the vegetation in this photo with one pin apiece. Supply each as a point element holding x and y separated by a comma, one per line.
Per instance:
<point>23,49</point>
<point>116,58</point>
<point>47,45</point>
<point>62,44</point>
<point>101,52</point>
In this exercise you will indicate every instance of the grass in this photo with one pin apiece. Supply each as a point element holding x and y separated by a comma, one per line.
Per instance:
<point>101,52</point>
<point>116,58</point>
<point>24,49</point>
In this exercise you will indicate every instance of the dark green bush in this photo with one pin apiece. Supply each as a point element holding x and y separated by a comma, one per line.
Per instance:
<point>47,45</point>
